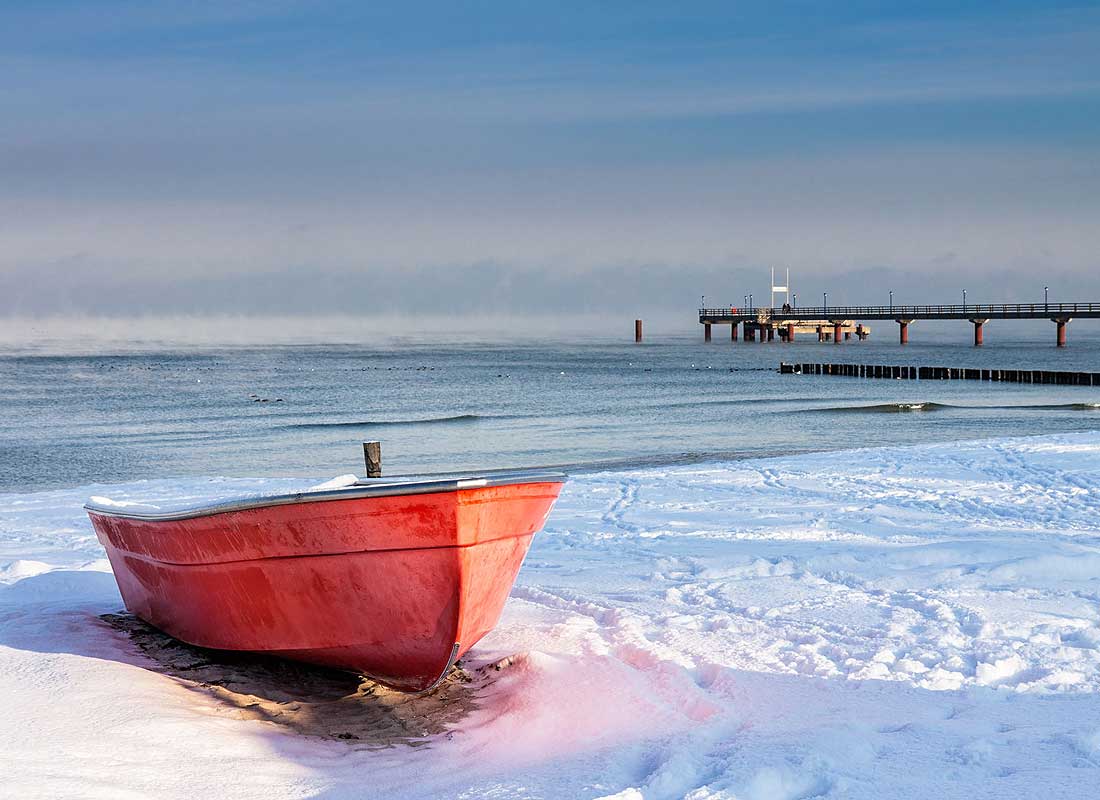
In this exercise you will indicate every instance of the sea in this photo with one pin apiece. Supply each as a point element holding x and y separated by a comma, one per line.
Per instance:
<point>81,409</point>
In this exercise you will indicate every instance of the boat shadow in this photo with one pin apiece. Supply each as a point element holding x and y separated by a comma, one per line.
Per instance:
<point>305,699</point>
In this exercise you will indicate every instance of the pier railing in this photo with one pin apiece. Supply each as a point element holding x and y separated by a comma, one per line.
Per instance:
<point>942,311</point>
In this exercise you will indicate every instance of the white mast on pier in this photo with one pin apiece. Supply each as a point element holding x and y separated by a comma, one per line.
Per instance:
<point>785,288</point>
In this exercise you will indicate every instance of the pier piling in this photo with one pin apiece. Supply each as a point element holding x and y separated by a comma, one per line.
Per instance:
<point>1061,323</point>
<point>637,330</point>
<point>978,337</point>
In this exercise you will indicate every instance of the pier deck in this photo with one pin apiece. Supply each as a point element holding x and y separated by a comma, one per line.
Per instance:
<point>840,319</point>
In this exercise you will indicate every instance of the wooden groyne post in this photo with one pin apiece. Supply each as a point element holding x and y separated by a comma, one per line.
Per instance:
<point>372,455</point>
<point>1060,378</point>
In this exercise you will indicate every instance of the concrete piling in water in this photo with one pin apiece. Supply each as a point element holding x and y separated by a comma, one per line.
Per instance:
<point>1061,322</point>
<point>706,332</point>
<point>979,339</point>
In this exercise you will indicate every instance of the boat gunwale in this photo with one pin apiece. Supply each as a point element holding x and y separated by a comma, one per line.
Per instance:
<point>365,488</point>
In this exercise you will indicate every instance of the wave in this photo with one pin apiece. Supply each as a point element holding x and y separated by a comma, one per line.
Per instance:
<point>1062,407</point>
<point>901,408</point>
<point>593,412</point>
<point>888,408</point>
<point>755,401</point>
<point>669,459</point>
<point>456,419</point>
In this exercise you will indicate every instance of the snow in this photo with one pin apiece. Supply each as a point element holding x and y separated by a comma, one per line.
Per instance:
<point>174,496</point>
<point>129,505</point>
<point>339,482</point>
<point>894,622</point>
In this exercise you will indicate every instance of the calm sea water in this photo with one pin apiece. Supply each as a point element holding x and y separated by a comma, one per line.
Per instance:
<point>120,414</point>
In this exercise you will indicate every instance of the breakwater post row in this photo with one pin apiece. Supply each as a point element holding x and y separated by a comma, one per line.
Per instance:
<point>910,373</point>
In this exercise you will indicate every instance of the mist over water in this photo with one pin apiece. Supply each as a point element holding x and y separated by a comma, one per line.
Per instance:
<point>81,410</point>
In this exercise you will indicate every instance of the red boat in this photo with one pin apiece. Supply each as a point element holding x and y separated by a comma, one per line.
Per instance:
<point>392,578</point>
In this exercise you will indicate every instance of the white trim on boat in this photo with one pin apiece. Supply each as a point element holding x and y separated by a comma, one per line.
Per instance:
<point>365,487</point>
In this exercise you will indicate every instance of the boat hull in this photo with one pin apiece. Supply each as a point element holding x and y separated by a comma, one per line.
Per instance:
<point>395,587</point>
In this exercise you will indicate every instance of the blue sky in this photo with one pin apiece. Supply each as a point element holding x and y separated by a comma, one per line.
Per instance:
<point>165,155</point>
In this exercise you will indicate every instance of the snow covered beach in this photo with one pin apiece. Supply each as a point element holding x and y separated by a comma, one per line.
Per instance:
<point>892,622</point>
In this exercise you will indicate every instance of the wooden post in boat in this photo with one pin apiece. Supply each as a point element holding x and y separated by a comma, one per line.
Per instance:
<point>372,454</point>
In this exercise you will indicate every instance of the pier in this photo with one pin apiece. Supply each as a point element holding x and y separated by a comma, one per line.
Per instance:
<point>841,323</point>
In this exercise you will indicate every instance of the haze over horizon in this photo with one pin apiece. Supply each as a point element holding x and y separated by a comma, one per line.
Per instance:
<point>330,158</point>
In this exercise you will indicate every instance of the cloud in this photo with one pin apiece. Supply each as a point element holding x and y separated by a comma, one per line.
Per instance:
<point>301,156</point>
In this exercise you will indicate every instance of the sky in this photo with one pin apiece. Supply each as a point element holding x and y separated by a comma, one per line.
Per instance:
<point>286,157</point>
